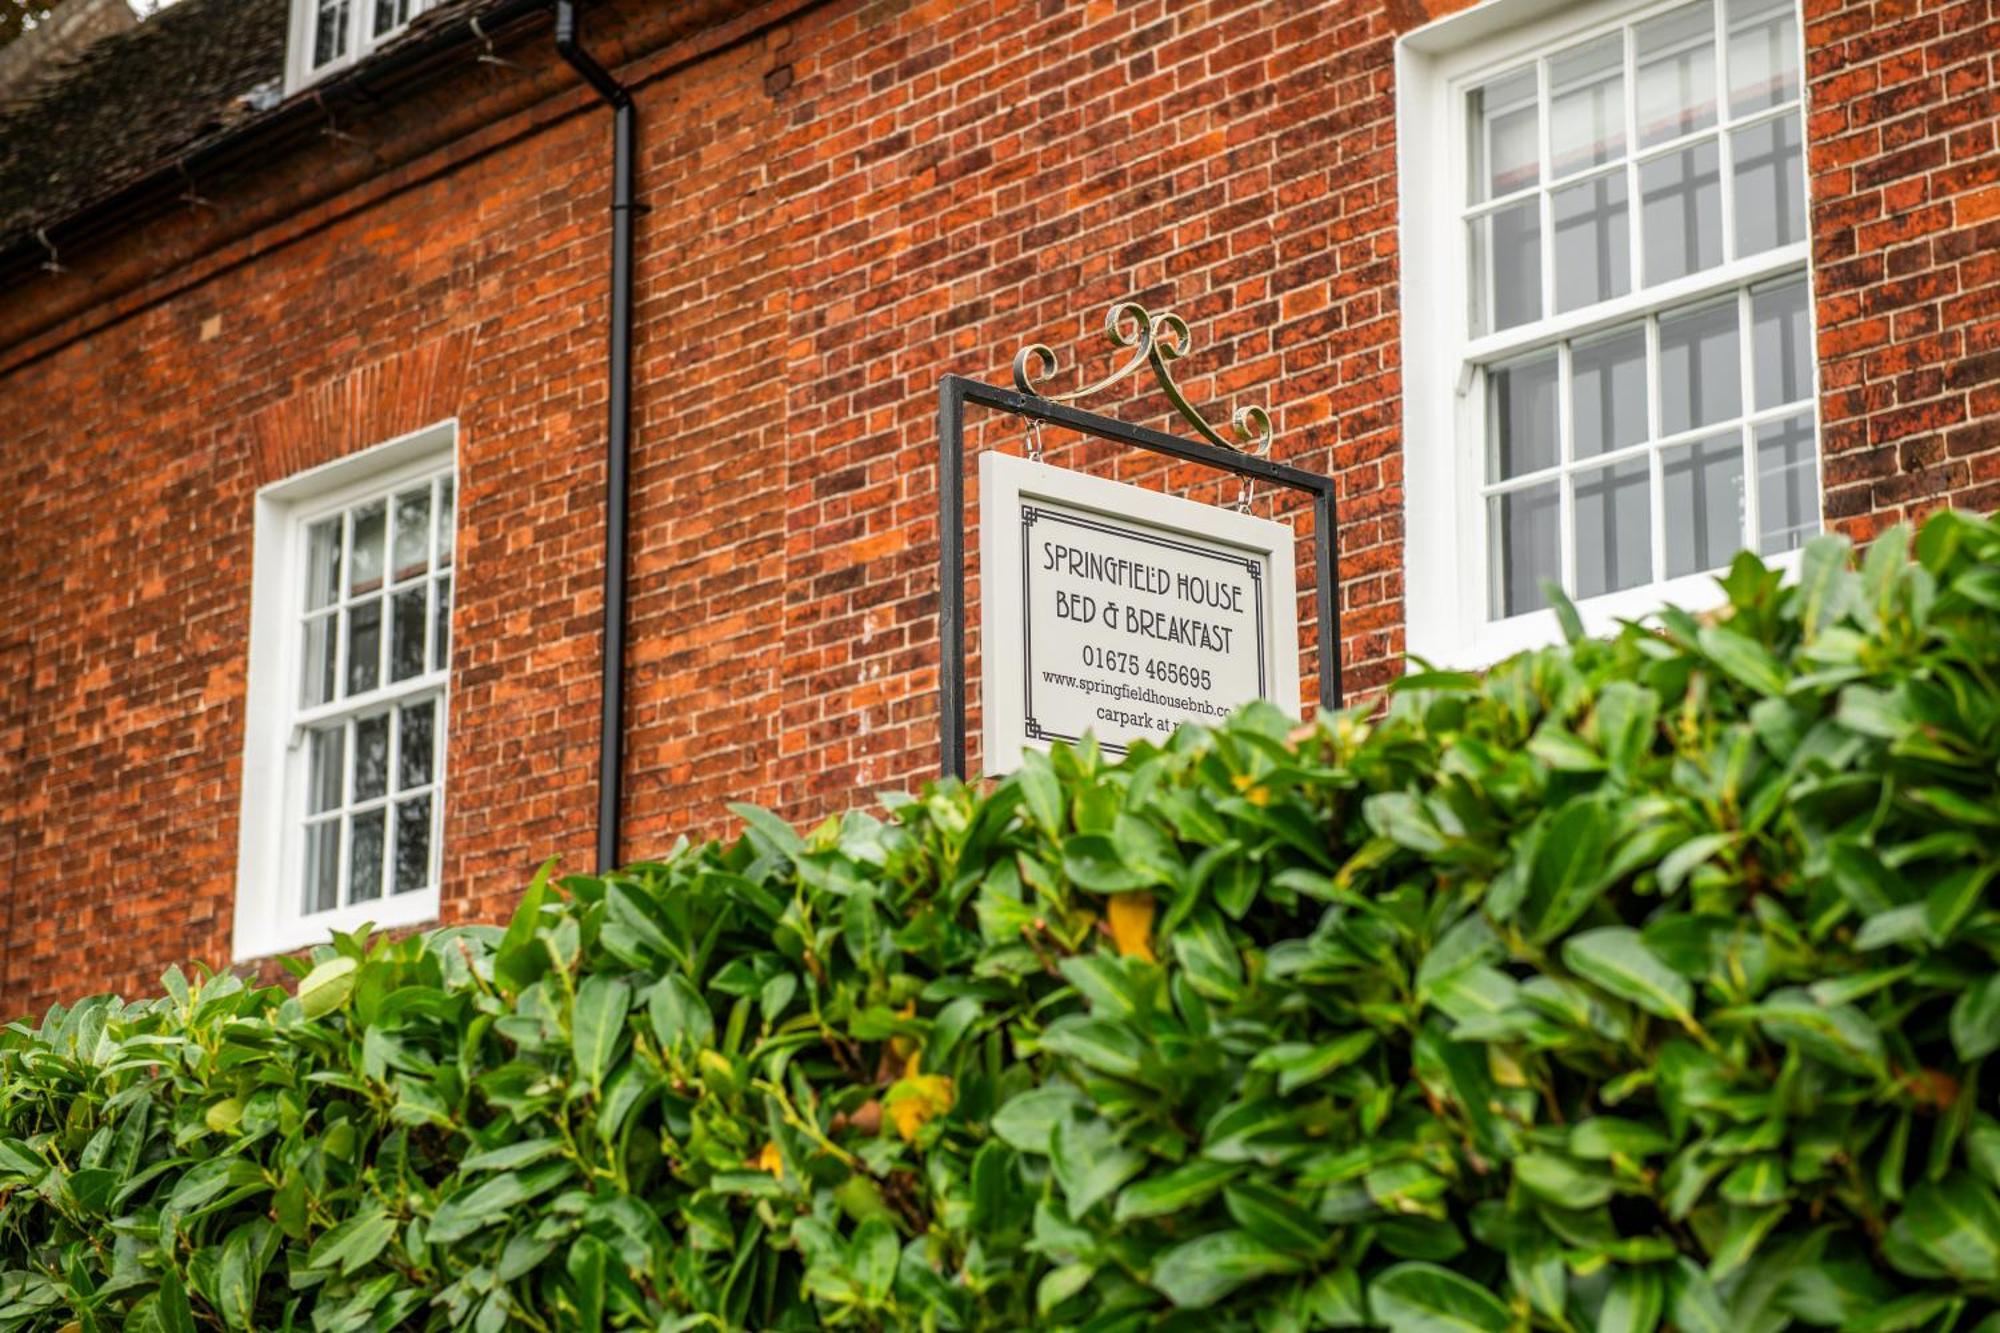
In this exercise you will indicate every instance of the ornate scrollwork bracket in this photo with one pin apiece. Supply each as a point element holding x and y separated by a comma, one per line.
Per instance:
<point>1154,340</point>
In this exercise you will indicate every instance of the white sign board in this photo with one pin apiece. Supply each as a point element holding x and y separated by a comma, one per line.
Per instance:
<point>1117,610</point>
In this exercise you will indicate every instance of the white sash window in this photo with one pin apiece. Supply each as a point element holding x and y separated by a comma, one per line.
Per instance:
<point>1609,370</point>
<point>344,762</point>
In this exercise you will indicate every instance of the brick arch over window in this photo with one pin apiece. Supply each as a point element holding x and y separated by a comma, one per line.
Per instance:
<point>382,400</point>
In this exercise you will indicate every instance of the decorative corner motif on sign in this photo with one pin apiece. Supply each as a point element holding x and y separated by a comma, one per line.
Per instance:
<point>1154,340</point>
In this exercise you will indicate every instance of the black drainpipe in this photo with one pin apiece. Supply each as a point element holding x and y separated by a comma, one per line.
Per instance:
<point>611,724</point>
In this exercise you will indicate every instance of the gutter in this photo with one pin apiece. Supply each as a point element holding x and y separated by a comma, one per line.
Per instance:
<point>618,432</point>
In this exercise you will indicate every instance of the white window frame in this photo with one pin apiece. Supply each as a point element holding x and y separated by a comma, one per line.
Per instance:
<point>1445,575</point>
<point>303,27</point>
<point>270,916</point>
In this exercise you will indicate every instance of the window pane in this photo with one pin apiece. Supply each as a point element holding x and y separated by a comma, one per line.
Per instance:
<point>447,517</point>
<point>1676,64</point>
<point>322,866</point>
<point>1703,485</point>
<point>441,633</point>
<point>413,533</point>
<point>364,647</point>
<point>1525,548</point>
<point>371,757</point>
<point>406,647</point>
<point>1607,383</point>
<point>322,563</point>
<point>1701,375</point>
<point>1507,267</point>
<point>1682,222</point>
<point>390,15</point>
<point>328,758</point>
<point>1521,416</point>
<point>330,34</point>
<point>1593,244</point>
<point>1505,127</point>
<point>1614,527</point>
<point>413,844</point>
<point>364,869</point>
<point>317,675</point>
<point>1587,105</point>
<point>1781,344</point>
<point>1787,483</point>
<point>1770,185</point>
<point>414,747</point>
<point>1763,54</point>
<point>366,563</point>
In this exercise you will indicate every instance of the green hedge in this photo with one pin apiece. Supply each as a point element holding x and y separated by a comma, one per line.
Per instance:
<point>1638,983</point>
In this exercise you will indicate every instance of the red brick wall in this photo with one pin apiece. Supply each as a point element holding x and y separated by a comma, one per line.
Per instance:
<point>847,199</point>
<point>1903,102</point>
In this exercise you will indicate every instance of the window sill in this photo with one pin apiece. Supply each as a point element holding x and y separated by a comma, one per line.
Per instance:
<point>1494,642</point>
<point>392,913</point>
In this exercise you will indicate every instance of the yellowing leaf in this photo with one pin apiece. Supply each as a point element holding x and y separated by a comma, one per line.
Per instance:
<point>1131,919</point>
<point>916,1099</point>
<point>902,1047</point>
<point>771,1160</point>
<point>224,1116</point>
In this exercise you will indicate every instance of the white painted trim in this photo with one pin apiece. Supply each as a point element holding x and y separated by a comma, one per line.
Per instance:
<point>1445,563</point>
<point>1006,480</point>
<point>269,860</point>
<point>301,28</point>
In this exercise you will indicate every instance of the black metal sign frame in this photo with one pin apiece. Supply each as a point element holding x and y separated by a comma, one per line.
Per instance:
<point>955,392</point>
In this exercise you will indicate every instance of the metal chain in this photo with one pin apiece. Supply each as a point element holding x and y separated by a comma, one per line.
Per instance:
<point>1245,494</point>
<point>1034,440</point>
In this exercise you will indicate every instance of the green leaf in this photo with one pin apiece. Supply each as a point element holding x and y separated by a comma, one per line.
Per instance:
<point>1059,1284</point>
<point>1041,792</point>
<point>1424,1298</point>
<point>1838,1034</point>
<point>471,1210</point>
<point>587,1263</point>
<point>873,1256</point>
<point>680,1018</point>
<point>1956,1224</point>
<point>1197,1273</point>
<point>1298,1065</point>
<point>354,1243</point>
<point>598,1027</point>
<point>518,960</point>
<point>1742,659</point>
<point>1569,866</point>
<point>1090,1161</point>
<point>1826,586</point>
<point>1758,1180</point>
<point>1635,1302</point>
<point>326,988</point>
<point>1028,1121</point>
<point>1693,1304</point>
<point>1953,899</point>
<point>1273,1218</point>
<point>1091,861</point>
<point>1104,1044</point>
<point>1183,1187</point>
<point>1562,1181</point>
<point>768,831</point>
<point>1975,1019</point>
<point>1603,1137</point>
<point>1618,959</point>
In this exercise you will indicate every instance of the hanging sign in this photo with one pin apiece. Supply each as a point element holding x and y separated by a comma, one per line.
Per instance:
<point>1116,610</point>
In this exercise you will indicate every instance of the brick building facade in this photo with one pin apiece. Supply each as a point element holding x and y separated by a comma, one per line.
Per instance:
<point>846,199</point>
